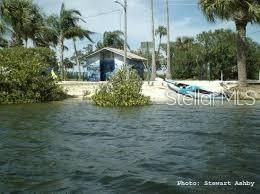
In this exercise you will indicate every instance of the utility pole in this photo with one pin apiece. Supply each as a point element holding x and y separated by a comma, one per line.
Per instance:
<point>153,76</point>
<point>168,71</point>
<point>125,42</point>
<point>124,5</point>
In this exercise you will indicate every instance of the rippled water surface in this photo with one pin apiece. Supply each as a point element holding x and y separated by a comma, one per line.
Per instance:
<point>72,146</point>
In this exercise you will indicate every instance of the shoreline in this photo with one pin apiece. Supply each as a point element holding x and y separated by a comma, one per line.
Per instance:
<point>158,91</point>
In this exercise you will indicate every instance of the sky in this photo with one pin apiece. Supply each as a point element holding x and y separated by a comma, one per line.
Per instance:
<point>105,15</point>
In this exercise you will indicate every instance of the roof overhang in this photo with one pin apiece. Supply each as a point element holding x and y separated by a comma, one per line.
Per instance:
<point>130,55</point>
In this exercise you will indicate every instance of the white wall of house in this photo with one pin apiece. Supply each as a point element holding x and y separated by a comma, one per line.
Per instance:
<point>92,66</point>
<point>119,61</point>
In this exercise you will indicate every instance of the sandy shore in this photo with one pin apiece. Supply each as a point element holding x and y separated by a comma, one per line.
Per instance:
<point>157,90</point>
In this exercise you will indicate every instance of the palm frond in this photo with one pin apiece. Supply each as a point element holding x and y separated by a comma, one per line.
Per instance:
<point>78,32</point>
<point>213,9</point>
<point>254,10</point>
<point>161,31</point>
<point>238,10</point>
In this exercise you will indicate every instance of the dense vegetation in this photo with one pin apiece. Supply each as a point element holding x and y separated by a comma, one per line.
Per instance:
<point>21,22</point>
<point>211,53</point>
<point>25,76</point>
<point>242,13</point>
<point>207,55</point>
<point>124,89</point>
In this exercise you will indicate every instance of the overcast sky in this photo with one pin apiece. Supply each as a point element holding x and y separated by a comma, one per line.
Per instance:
<point>185,18</point>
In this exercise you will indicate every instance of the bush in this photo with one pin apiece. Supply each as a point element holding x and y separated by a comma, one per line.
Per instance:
<point>25,76</point>
<point>121,90</point>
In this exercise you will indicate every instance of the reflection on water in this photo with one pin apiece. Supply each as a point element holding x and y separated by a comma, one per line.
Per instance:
<point>72,146</point>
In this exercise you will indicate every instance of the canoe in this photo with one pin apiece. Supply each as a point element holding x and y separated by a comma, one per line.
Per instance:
<point>194,91</point>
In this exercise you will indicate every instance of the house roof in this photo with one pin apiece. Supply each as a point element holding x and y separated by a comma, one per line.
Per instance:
<point>120,52</point>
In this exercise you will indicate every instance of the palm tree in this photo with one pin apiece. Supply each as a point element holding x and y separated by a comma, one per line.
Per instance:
<point>34,25</point>
<point>78,32</point>
<point>114,39</point>
<point>60,28</point>
<point>241,12</point>
<point>22,17</point>
<point>161,31</point>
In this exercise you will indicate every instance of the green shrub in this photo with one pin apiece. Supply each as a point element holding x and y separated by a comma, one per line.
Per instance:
<point>121,90</point>
<point>25,76</point>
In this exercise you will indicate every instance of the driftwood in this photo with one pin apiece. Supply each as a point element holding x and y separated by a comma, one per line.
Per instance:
<point>235,92</point>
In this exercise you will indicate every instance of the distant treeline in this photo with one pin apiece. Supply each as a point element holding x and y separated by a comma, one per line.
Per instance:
<point>207,55</point>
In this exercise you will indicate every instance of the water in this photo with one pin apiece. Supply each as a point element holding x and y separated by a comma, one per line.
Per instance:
<point>72,146</point>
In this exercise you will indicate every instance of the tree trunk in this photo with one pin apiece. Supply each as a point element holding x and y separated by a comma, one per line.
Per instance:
<point>241,53</point>
<point>77,58</point>
<point>62,73</point>
<point>159,49</point>
<point>153,75</point>
<point>26,42</point>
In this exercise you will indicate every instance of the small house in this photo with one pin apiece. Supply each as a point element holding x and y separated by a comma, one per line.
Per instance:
<point>102,64</point>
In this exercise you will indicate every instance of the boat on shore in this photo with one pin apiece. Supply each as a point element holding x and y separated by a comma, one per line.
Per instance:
<point>194,91</point>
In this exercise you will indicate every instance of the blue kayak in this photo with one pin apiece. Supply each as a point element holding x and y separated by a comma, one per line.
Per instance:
<point>194,91</point>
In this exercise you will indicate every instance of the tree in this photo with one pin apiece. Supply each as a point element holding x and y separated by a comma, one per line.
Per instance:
<point>161,31</point>
<point>114,39</point>
<point>25,76</point>
<point>218,50</point>
<point>60,28</point>
<point>3,42</point>
<point>185,57</point>
<point>83,54</point>
<point>241,12</point>
<point>191,57</point>
<point>34,25</point>
<point>23,17</point>
<point>122,90</point>
<point>99,45</point>
<point>89,49</point>
<point>68,63</point>
<point>78,32</point>
<point>2,27</point>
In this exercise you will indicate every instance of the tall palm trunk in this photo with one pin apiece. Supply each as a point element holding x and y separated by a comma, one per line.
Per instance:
<point>241,53</point>
<point>62,71</point>
<point>77,58</point>
<point>153,75</point>
<point>159,47</point>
